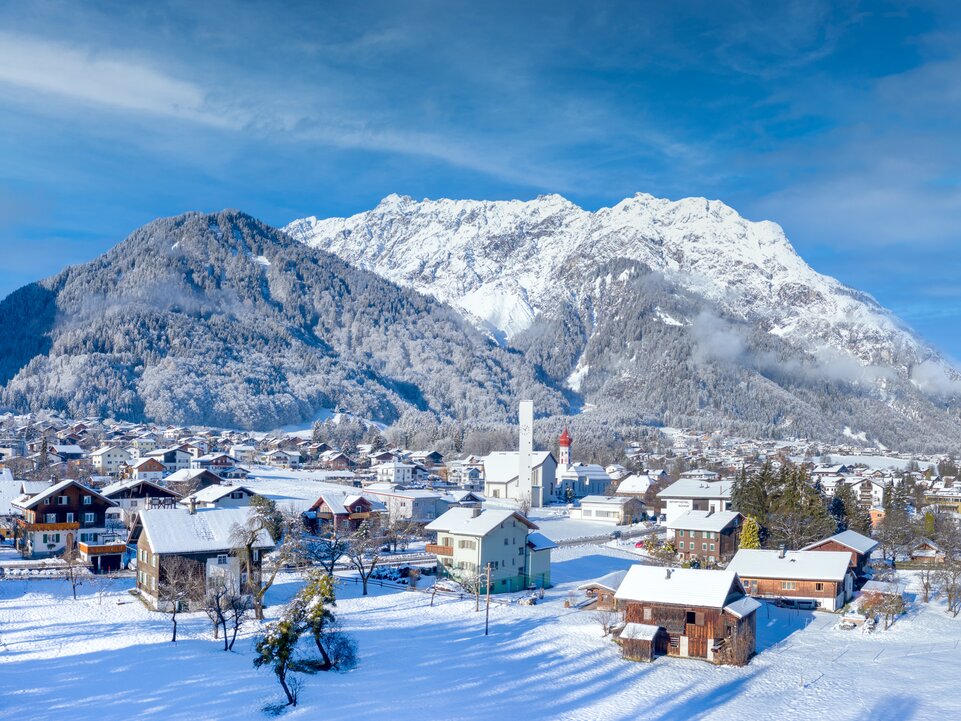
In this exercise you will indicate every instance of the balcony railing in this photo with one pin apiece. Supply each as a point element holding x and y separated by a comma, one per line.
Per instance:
<point>95,549</point>
<point>439,550</point>
<point>48,526</point>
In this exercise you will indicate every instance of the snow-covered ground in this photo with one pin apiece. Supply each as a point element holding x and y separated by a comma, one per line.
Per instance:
<point>113,660</point>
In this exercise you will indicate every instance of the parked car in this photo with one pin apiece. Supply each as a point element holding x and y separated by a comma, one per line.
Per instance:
<point>615,535</point>
<point>801,604</point>
<point>639,544</point>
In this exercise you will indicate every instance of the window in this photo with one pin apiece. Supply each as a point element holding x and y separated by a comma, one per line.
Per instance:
<point>50,518</point>
<point>788,585</point>
<point>222,559</point>
<point>89,517</point>
<point>237,495</point>
<point>703,546</point>
<point>695,618</point>
<point>818,586</point>
<point>647,614</point>
<point>87,500</point>
<point>143,555</point>
<point>46,501</point>
<point>133,504</point>
<point>680,534</point>
<point>256,555</point>
<point>712,546</point>
<point>69,518</point>
<point>62,500</point>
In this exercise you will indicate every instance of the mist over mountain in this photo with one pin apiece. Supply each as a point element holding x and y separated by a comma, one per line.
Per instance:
<point>221,320</point>
<point>681,313</point>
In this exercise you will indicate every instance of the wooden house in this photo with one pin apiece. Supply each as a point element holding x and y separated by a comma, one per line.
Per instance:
<point>857,545</point>
<point>703,614</point>
<point>340,513</point>
<point>823,578</point>
<point>925,550</point>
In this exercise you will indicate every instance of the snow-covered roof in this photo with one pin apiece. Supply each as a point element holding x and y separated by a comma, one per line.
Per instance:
<point>187,474</point>
<point>537,541</point>
<point>639,632</point>
<point>464,521</point>
<point>63,485</point>
<point>6,474</point>
<point>704,520</point>
<point>207,530</point>
<point>635,484</point>
<point>502,466</point>
<point>582,470</point>
<point>605,500</point>
<point>694,488</point>
<point>852,539</point>
<point>892,588</point>
<point>610,581</point>
<point>113,488</point>
<point>69,448</point>
<point>680,586</point>
<point>31,488</point>
<point>743,607</point>
<point>9,491</point>
<point>214,493</point>
<point>801,565</point>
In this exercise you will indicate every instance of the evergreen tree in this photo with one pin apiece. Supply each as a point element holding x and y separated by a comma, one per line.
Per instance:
<point>750,533</point>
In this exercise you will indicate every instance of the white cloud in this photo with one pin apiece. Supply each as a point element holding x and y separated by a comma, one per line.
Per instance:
<point>112,81</point>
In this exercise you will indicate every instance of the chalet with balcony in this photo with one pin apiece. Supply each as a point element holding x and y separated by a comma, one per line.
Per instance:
<point>134,495</point>
<point>341,513</point>
<point>200,535</point>
<point>61,516</point>
<point>688,613</point>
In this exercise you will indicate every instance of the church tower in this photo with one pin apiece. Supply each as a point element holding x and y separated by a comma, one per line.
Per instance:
<point>564,449</point>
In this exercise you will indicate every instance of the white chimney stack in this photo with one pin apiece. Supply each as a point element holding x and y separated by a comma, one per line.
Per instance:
<point>526,452</point>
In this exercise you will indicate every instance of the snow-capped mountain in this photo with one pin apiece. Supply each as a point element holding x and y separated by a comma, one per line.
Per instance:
<point>735,291</point>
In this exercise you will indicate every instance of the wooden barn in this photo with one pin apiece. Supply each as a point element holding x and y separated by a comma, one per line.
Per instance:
<point>703,614</point>
<point>642,641</point>
<point>602,590</point>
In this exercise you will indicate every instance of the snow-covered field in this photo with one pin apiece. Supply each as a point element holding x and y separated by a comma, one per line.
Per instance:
<point>65,659</point>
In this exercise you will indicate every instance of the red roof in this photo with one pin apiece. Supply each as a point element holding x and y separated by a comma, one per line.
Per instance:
<point>565,439</point>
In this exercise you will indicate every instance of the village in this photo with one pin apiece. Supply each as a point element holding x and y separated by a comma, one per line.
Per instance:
<point>720,553</point>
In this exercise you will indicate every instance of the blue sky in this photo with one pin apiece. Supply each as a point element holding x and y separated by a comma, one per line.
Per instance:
<point>840,121</point>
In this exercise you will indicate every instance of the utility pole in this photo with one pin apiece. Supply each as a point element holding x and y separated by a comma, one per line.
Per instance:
<point>487,612</point>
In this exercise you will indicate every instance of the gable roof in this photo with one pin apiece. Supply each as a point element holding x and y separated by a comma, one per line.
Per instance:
<point>502,466</point>
<point>463,522</point>
<point>207,530</point>
<point>63,485</point>
<point>695,488</point>
<point>678,586</point>
<point>607,500</point>
<point>108,491</point>
<point>537,541</point>
<point>215,493</point>
<point>704,520</point>
<point>802,565</point>
<point>852,539</point>
<point>610,581</point>
<point>635,483</point>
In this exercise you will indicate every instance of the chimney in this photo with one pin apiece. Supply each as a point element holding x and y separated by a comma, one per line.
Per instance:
<point>475,512</point>
<point>782,551</point>
<point>191,505</point>
<point>709,512</point>
<point>668,574</point>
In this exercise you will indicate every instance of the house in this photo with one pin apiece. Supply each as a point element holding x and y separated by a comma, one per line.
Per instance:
<point>429,459</point>
<point>147,469</point>
<point>218,496</point>
<point>175,458</point>
<point>134,495</point>
<point>602,590</point>
<point>634,485</point>
<point>464,499</point>
<point>468,539</point>
<point>501,473</point>
<point>417,506</point>
<point>340,512</point>
<point>925,550</point>
<point>109,459</point>
<point>688,494</point>
<point>703,614</point>
<point>244,453</point>
<point>852,542</point>
<point>617,510</point>
<point>66,514</point>
<point>203,535</point>
<point>335,460</point>
<point>282,458</point>
<point>579,480</point>
<point>213,462</point>
<point>187,480</point>
<point>707,536</point>
<point>69,452</point>
<point>823,577</point>
<point>394,472</point>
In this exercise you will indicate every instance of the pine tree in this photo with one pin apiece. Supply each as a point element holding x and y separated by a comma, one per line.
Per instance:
<point>750,533</point>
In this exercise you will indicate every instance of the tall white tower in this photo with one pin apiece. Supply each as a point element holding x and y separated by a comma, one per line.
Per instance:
<point>525,460</point>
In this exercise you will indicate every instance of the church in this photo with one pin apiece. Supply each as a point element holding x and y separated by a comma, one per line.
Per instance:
<point>577,480</point>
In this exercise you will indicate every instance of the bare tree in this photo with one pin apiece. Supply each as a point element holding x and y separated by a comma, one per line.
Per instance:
<point>608,619</point>
<point>927,576</point>
<point>260,572</point>
<point>949,579</point>
<point>399,532</point>
<point>236,612</point>
<point>326,550</point>
<point>74,568</point>
<point>102,582</point>
<point>181,582</point>
<point>363,551</point>
<point>215,605</point>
